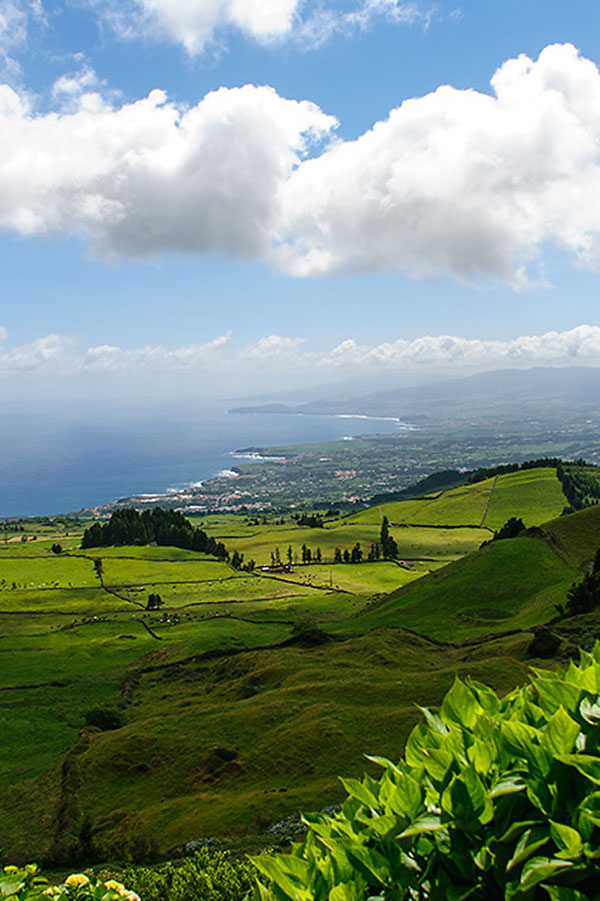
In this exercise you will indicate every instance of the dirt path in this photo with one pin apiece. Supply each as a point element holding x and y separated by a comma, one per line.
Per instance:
<point>487,506</point>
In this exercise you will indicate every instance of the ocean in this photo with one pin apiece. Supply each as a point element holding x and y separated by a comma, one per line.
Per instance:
<point>60,460</point>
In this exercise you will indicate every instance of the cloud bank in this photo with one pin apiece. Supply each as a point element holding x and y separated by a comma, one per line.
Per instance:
<point>60,355</point>
<point>457,182</point>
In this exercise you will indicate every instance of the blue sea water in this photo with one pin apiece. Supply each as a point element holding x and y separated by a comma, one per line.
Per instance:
<point>60,460</point>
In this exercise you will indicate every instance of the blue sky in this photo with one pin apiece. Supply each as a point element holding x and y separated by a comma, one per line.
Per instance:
<point>240,233</point>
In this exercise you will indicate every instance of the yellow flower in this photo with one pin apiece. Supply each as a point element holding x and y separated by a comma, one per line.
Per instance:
<point>129,896</point>
<point>75,880</point>
<point>115,886</point>
<point>31,868</point>
<point>11,869</point>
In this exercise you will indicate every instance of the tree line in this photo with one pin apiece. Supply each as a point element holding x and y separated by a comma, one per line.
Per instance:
<point>157,526</point>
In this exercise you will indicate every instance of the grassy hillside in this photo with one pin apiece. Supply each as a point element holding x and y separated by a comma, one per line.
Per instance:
<point>508,584</point>
<point>535,493</point>
<point>230,721</point>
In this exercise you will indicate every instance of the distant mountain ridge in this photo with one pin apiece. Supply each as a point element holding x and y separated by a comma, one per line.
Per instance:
<point>538,392</point>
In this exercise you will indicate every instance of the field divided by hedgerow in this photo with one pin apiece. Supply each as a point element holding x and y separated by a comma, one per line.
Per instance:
<point>296,714</point>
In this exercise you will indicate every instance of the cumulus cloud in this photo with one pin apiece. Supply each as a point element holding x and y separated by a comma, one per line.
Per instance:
<point>59,354</point>
<point>146,177</point>
<point>457,182</point>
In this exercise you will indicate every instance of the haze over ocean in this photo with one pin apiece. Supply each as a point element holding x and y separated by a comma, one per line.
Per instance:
<point>54,463</point>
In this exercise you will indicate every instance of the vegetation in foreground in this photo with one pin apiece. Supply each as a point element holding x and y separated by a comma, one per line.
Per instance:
<point>116,710</point>
<point>493,799</point>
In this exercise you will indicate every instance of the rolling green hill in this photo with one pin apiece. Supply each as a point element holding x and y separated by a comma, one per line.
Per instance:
<point>232,716</point>
<point>509,584</point>
<point>535,493</point>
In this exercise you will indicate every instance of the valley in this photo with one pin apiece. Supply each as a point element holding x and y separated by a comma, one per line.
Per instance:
<point>243,695</point>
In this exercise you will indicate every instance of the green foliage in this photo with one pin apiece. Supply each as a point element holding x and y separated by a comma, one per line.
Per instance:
<point>511,528</point>
<point>494,799</point>
<point>388,545</point>
<point>165,527</point>
<point>580,484</point>
<point>27,884</point>
<point>207,876</point>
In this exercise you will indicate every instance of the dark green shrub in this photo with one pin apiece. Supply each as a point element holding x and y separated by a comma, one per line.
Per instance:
<point>494,799</point>
<point>207,876</point>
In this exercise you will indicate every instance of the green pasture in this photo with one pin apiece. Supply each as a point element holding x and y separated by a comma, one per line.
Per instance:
<point>228,744</point>
<point>296,718</point>
<point>44,572</point>
<point>461,506</point>
<point>533,495</point>
<point>416,543</point>
<point>514,583</point>
<point>61,601</point>
<point>138,570</point>
<point>358,578</point>
<point>576,537</point>
<point>233,590</point>
<point>38,548</point>
<point>144,552</point>
<point>260,545</point>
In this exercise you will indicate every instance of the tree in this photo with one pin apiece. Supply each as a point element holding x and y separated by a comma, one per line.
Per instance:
<point>289,554</point>
<point>237,560</point>
<point>357,554</point>
<point>511,528</point>
<point>154,602</point>
<point>318,556</point>
<point>346,556</point>
<point>337,555</point>
<point>56,548</point>
<point>389,548</point>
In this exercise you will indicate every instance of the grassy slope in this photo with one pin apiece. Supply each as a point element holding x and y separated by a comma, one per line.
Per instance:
<point>508,584</point>
<point>295,717</point>
<point>536,493</point>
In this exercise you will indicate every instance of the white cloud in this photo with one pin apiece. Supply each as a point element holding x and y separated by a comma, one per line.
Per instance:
<point>197,24</point>
<point>272,349</point>
<point>16,18</point>
<point>146,178</point>
<point>106,358</point>
<point>457,183</point>
<point>193,23</point>
<point>60,355</point>
<point>580,345</point>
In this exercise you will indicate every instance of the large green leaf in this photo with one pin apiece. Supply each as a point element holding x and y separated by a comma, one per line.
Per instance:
<point>567,840</point>
<point>540,868</point>
<point>587,765</point>
<point>460,706</point>
<point>560,733</point>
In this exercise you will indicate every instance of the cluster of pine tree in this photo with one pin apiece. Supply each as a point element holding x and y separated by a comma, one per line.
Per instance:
<point>237,562</point>
<point>157,526</point>
<point>585,595</point>
<point>580,485</point>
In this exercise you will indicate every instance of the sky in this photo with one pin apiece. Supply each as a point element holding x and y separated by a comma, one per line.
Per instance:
<point>250,195</point>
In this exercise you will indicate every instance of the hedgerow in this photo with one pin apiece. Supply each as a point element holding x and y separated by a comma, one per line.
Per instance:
<point>493,799</point>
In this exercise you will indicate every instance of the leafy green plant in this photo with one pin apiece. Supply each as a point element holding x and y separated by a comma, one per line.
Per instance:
<point>207,876</point>
<point>27,884</point>
<point>493,799</point>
